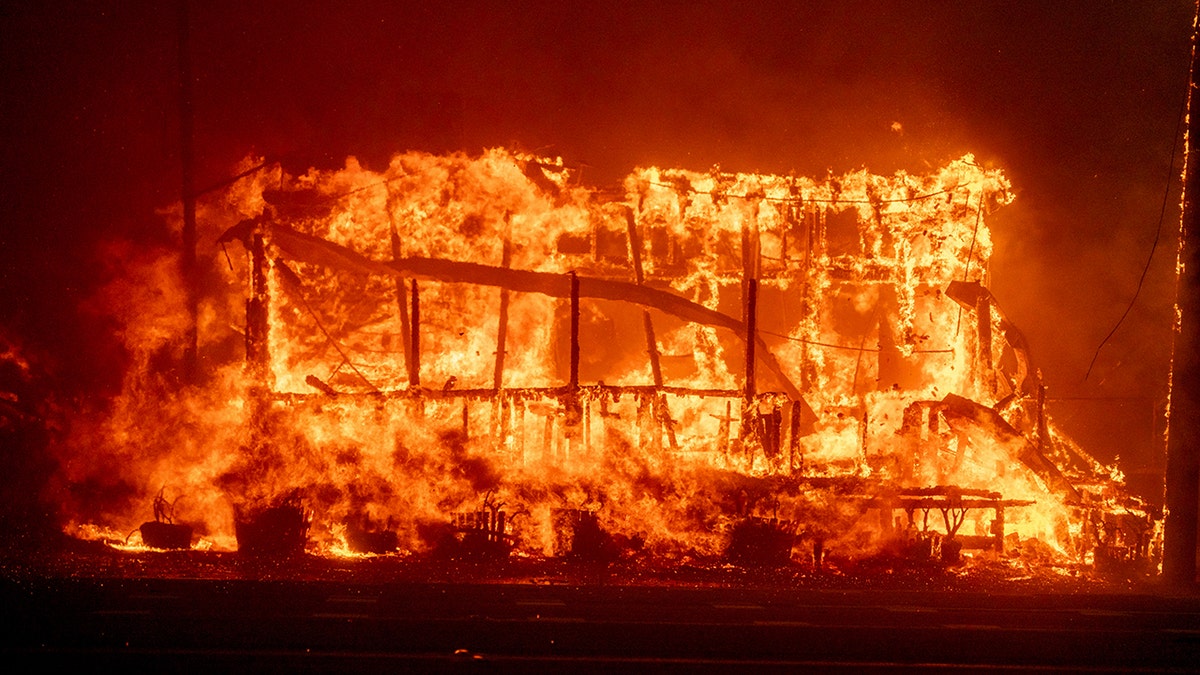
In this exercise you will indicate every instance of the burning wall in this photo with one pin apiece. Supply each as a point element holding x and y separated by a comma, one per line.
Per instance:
<point>692,364</point>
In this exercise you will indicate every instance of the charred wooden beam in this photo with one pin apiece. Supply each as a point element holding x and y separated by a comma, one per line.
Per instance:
<point>402,303</point>
<point>314,250</point>
<point>635,247</point>
<point>751,389</point>
<point>316,383</point>
<point>930,503</point>
<point>983,318</point>
<point>947,491</point>
<point>957,409</point>
<point>998,530</point>
<point>974,296</point>
<point>573,383</point>
<point>414,375</point>
<point>502,323</point>
<point>635,253</point>
<point>584,392</point>
<point>257,355</point>
<point>571,401</point>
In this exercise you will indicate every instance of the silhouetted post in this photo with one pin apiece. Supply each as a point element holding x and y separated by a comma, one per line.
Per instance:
<point>414,376</point>
<point>983,312</point>
<point>635,253</point>
<point>257,354</point>
<point>188,253</point>
<point>751,390</point>
<point>574,383</point>
<point>401,300</point>
<point>1183,437</point>
<point>502,324</point>
<point>572,402</point>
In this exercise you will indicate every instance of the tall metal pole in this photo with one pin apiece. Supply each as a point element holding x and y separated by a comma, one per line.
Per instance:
<point>1183,436</point>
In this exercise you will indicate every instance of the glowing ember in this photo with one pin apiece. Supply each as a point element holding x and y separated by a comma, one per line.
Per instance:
<point>469,356</point>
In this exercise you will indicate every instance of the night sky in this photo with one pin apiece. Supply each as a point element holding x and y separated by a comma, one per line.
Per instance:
<point>1077,101</point>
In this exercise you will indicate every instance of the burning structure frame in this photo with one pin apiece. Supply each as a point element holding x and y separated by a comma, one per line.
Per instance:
<point>743,362</point>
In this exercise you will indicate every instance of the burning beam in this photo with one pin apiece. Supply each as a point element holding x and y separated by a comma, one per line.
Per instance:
<point>314,250</point>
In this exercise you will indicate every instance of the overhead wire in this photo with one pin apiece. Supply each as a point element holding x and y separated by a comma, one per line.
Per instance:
<point>1154,245</point>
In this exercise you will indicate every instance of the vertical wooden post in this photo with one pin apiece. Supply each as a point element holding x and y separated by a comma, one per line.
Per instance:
<point>749,429</point>
<point>572,402</point>
<point>257,343</point>
<point>414,375</point>
<point>795,411</point>
<point>635,253</point>
<point>502,327</point>
<point>751,389</point>
<point>401,301</point>
<point>574,381</point>
<point>257,355</point>
<point>751,248</point>
<point>498,409</point>
<point>750,269</point>
<point>983,311</point>
<point>998,529</point>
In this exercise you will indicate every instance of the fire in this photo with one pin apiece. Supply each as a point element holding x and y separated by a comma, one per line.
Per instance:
<point>469,356</point>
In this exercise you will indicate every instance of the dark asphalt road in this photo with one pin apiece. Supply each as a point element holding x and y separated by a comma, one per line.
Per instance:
<point>223,626</point>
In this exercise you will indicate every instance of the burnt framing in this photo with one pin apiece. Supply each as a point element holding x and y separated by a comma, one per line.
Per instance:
<point>770,432</point>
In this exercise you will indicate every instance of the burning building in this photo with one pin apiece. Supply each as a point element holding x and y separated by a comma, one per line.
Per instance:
<point>473,356</point>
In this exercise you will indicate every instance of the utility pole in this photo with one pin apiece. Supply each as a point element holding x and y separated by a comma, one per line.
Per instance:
<point>188,253</point>
<point>1183,436</point>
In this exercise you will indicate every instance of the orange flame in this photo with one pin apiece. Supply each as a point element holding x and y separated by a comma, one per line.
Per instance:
<point>485,335</point>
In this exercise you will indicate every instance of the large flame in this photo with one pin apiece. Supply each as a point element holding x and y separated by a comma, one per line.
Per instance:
<point>672,359</point>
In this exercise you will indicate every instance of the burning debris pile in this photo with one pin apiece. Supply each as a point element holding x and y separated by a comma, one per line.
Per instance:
<point>478,356</point>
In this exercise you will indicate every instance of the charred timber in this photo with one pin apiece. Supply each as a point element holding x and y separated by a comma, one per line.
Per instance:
<point>959,410</point>
<point>402,306</point>
<point>931,503</point>
<point>947,491</point>
<point>974,296</point>
<point>317,251</point>
<point>751,335</point>
<point>414,374</point>
<point>585,391</point>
